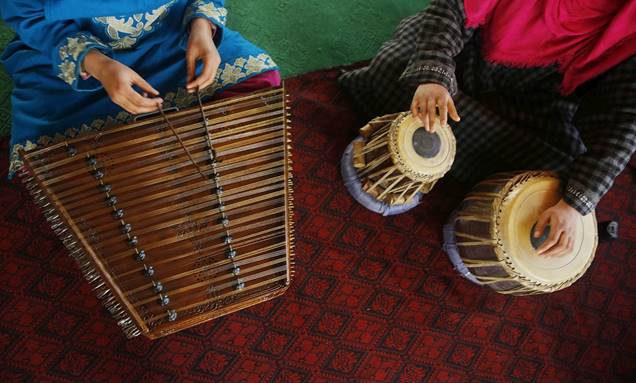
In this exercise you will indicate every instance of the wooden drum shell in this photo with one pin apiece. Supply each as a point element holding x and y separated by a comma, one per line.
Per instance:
<point>379,164</point>
<point>480,244</point>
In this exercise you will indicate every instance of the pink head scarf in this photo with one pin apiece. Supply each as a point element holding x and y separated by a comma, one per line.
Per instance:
<point>585,38</point>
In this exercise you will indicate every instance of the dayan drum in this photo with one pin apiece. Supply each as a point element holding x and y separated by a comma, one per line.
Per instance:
<point>179,218</point>
<point>490,238</point>
<point>394,161</point>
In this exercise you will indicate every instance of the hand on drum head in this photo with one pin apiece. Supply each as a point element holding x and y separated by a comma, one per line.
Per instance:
<point>427,100</point>
<point>562,219</point>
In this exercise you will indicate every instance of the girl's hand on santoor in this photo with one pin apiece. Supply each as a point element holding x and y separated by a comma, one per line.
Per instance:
<point>562,219</point>
<point>427,99</point>
<point>201,47</point>
<point>118,81</point>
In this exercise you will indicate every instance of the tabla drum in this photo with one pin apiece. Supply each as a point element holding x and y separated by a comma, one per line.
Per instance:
<point>394,161</point>
<point>489,239</point>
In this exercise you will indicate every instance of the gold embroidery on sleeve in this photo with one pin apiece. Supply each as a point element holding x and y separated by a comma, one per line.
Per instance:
<point>125,31</point>
<point>207,9</point>
<point>70,53</point>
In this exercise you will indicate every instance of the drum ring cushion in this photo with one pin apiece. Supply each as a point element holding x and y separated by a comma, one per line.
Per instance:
<point>354,186</point>
<point>450,247</point>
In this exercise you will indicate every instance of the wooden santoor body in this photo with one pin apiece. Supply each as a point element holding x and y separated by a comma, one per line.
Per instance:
<point>176,211</point>
<point>493,232</point>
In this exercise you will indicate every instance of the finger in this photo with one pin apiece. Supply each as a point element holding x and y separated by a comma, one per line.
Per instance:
<point>209,71</point>
<point>190,66</point>
<point>125,104</point>
<point>443,112</point>
<point>423,108</point>
<point>142,102</point>
<point>139,104</point>
<point>207,74</point>
<point>421,113</point>
<point>203,76</point>
<point>414,110</point>
<point>553,239</point>
<point>560,248</point>
<point>432,114</point>
<point>542,222</point>
<point>144,85</point>
<point>452,111</point>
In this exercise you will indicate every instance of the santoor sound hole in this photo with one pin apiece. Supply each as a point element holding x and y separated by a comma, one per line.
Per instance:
<point>426,144</point>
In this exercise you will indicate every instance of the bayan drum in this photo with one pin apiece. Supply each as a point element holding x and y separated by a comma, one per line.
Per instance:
<point>394,161</point>
<point>179,218</point>
<point>489,239</point>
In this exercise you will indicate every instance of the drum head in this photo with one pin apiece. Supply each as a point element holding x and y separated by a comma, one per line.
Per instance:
<point>420,155</point>
<point>519,211</point>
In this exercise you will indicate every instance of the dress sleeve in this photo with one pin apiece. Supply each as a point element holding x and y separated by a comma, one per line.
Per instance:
<point>62,40</point>
<point>442,36</point>
<point>606,119</point>
<point>213,10</point>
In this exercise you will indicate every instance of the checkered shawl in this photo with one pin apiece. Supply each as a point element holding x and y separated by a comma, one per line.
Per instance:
<point>512,118</point>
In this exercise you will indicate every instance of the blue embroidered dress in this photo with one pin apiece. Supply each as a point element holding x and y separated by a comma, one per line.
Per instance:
<point>50,100</point>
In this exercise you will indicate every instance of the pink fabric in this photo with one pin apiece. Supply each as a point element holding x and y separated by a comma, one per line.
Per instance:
<point>584,37</point>
<point>260,81</point>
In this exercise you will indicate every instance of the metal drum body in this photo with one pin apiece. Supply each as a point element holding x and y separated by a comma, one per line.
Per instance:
<point>489,237</point>
<point>394,161</point>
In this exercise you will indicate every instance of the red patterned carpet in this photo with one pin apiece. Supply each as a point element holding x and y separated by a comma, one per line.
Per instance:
<point>374,299</point>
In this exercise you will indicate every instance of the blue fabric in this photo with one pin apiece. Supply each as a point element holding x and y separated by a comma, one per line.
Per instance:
<point>354,186</point>
<point>150,36</point>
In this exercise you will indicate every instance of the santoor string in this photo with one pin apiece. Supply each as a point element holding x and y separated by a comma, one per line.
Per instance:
<point>185,148</point>
<point>186,273</point>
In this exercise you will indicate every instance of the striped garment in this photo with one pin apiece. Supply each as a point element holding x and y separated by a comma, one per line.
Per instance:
<point>512,118</point>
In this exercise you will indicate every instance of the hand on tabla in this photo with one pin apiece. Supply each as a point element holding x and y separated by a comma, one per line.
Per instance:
<point>562,220</point>
<point>428,98</point>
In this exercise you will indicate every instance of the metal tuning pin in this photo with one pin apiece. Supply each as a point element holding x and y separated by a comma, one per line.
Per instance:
<point>228,239</point>
<point>172,315</point>
<point>225,221</point>
<point>231,254</point>
<point>140,256</point>
<point>71,151</point>
<point>219,190</point>
<point>126,228</point>
<point>118,214</point>
<point>157,287</point>
<point>221,206</point>
<point>236,270</point>
<point>133,241</point>
<point>106,188</point>
<point>149,271</point>
<point>240,285</point>
<point>111,201</point>
<point>91,161</point>
<point>98,174</point>
<point>164,300</point>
